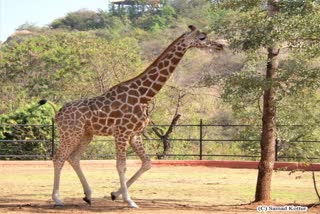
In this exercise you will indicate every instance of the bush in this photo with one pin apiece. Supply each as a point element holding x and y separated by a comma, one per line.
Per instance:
<point>11,129</point>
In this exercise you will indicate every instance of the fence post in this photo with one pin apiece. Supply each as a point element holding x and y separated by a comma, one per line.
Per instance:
<point>276,150</point>
<point>200,139</point>
<point>52,137</point>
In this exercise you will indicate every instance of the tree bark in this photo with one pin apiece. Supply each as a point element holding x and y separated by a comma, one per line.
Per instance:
<point>268,135</point>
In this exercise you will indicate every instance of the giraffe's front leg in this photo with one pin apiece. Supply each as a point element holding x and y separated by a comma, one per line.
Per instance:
<point>121,146</point>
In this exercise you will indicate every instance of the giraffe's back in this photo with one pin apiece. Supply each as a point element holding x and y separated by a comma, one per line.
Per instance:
<point>102,114</point>
<point>111,111</point>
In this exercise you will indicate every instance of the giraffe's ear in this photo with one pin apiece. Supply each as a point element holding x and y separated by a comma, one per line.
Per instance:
<point>192,28</point>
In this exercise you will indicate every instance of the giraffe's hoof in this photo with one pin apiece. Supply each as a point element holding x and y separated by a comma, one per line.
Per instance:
<point>113,196</point>
<point>58,206</point>
<point>88,201</point>
<point>132,205</point>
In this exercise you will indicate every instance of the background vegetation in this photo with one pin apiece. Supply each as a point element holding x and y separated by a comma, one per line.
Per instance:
<point>85,53</point>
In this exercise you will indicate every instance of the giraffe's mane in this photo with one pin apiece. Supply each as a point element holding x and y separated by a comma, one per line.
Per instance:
<point>155,62</point>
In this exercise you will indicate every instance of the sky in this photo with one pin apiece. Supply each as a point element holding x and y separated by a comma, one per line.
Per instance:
<point>14,13</point>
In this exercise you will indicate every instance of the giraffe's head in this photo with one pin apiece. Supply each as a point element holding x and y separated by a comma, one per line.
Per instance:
<point>197,39</point>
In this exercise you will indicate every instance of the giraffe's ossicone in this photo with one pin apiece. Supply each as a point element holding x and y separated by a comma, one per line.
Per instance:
<point>121,112</point>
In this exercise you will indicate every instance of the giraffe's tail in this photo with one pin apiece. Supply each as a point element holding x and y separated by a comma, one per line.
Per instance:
<point>44,101</point>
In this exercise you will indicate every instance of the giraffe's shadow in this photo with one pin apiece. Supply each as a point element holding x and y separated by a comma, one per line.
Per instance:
<point>72,205</point>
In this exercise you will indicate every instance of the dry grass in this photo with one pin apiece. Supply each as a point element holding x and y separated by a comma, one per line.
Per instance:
<point>161,190</point>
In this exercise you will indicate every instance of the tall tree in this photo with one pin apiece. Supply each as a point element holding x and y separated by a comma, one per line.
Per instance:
<point>281,42</point>
<point>268,136</point>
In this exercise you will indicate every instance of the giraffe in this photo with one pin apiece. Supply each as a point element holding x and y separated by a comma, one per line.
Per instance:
<point>121,112</point>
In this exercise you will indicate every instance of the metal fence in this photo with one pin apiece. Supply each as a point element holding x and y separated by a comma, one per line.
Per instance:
<point>190,141</point>
<point>17,141</point>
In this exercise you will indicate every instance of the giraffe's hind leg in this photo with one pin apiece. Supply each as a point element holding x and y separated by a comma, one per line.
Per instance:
<point>74,161</point>
<point>136,144</point>
<point>65,149</point>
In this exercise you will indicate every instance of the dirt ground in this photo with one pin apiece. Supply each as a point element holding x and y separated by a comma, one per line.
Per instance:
<point>165,190</point>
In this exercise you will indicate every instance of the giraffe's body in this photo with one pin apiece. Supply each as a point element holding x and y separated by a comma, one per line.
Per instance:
<point>121,112</point>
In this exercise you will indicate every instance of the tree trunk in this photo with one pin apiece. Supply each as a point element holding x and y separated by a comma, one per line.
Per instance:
<point>268,135</point>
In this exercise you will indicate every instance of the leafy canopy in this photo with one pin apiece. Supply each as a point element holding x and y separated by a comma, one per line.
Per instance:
<point>295,31</point>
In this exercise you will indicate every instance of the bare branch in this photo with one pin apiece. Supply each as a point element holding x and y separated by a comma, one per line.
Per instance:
<point>156,131</point>
<point>164,137</point>
<point>315,185</point>
<point>173,123</point>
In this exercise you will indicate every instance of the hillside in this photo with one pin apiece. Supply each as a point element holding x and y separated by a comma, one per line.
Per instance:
<point>66,75</point>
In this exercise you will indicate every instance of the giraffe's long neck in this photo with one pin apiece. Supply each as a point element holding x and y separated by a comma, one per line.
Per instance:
<point>150,82</point>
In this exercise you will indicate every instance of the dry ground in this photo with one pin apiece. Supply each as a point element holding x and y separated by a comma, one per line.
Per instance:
<point>178,190</point>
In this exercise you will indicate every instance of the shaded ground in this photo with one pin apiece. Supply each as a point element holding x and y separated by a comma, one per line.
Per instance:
<point>177,190</point>
<point>104,206</point>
